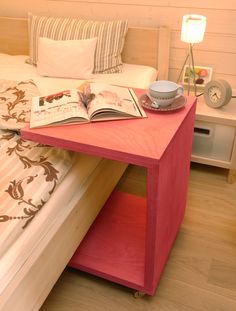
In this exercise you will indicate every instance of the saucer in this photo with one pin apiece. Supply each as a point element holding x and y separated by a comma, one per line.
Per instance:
<point>178,103</point>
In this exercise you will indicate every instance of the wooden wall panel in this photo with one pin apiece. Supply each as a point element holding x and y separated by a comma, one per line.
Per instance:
<point>211,42</point>
<point>218,50</point>
<point>210,4</point>
<point>221,62</point>
<point>168,3</point>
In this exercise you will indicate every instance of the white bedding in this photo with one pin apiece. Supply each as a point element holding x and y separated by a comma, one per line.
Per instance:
<point>19,253</point>
<point>15,68</point>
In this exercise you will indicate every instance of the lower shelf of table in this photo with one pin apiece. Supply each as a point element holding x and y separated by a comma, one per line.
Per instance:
<point>114,247</point>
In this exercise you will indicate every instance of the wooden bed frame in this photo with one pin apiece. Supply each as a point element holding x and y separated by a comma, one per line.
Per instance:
<point>144,46</point>
<point>35,279</point>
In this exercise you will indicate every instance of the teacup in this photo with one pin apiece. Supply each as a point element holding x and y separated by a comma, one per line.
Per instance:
<point>163,92</point>
<point>165,89</point>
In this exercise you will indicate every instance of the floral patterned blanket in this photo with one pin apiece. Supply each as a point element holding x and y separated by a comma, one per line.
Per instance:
<point>29,172</point>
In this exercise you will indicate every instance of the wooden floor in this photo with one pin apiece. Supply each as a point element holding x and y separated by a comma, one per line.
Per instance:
<point>201,271</point>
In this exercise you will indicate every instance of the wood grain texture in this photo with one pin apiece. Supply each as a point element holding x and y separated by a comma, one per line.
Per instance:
<point>155,143</point>
<point>217,50</point>
<point>232,176</point>
<point>145,46</point>
<point>114,247</point>
<point>142,142</point>
<point>13,36</point>
<point>200,269</point>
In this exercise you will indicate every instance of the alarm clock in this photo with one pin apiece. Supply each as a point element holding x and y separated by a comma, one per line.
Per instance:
<point>217,93</point>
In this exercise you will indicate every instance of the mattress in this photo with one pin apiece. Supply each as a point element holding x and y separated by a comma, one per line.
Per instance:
<point>27,252</point>
<point>15,68</point>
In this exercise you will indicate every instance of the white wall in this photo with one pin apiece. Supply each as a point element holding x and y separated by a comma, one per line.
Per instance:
<point>218,50</point>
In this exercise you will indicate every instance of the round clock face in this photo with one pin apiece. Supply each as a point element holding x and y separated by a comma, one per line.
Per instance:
<point>217,93</point>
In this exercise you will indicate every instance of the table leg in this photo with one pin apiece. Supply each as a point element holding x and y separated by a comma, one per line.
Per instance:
<point>231,176</point>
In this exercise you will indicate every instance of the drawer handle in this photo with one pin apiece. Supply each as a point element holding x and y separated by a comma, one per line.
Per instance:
<point>202,131</point>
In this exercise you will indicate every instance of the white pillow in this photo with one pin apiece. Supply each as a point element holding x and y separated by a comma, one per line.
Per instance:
<point>66,58</point>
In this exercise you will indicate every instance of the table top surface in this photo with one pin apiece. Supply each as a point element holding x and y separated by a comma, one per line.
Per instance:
<point>223,115</point>
<point>137,141</point>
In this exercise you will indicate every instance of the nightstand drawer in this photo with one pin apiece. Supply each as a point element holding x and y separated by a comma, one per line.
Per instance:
<point>212,140</point>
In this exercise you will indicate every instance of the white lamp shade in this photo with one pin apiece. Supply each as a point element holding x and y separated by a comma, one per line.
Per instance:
<point>193,28</point>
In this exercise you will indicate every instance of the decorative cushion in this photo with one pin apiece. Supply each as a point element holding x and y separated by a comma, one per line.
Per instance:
<point>110,38</point>
<point>15,103</point>
<point>66,58</point>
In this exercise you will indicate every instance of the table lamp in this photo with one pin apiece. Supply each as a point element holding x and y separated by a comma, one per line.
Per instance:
<point>193,29</point>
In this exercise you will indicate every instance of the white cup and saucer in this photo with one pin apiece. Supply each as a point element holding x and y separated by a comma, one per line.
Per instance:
<point>163,93</point>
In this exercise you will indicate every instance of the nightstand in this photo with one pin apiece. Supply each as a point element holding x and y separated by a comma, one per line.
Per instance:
<point>214,140</point>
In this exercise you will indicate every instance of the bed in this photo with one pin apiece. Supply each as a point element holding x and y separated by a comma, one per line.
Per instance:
<point>40,246</point>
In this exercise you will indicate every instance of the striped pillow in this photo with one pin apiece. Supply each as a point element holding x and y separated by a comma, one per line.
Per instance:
<point>110,38</point>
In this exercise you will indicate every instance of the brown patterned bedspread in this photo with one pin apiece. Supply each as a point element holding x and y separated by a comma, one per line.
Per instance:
<point>29,172</point>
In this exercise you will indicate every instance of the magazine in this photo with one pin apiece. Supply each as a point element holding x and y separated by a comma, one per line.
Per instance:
<point>90,102</point>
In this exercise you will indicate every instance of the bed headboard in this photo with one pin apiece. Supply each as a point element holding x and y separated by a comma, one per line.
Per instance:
<point>144,46</point>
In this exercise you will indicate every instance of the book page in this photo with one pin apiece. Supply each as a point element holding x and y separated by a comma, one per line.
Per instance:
<point>59,108</point>
<point>112,99</point>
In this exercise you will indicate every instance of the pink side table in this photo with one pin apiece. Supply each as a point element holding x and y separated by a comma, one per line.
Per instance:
<point>131,238</point>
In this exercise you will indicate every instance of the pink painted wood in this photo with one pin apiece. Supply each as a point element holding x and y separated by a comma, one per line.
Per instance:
<point>161,143</point>
<point>114,247</point>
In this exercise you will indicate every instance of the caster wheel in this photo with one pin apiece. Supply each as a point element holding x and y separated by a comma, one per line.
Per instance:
<point>139,294</point>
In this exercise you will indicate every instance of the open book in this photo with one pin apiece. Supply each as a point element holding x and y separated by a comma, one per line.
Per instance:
<point>92,102</point>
